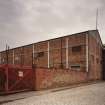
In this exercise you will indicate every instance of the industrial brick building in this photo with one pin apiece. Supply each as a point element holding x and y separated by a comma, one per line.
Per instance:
<point>61,61</point>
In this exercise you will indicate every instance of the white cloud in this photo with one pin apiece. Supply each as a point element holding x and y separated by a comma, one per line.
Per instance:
<point>26,21</point>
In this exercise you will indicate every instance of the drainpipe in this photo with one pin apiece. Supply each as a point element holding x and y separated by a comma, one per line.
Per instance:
<point>61,55</point>
<point>87,53</point>
<point>21,56</point>
<point>48,54</point>
<point>33,52</point>
<point>7,53</point>
<point>67,58</point>
<point>13,58</point>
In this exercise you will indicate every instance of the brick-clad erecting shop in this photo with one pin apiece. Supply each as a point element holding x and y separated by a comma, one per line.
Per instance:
<point>61,61</point>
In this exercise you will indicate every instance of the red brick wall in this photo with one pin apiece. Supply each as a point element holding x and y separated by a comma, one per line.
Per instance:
<point>103,59</point>
<point>23,55</point>
<point>51,78</point>
<point>43,60</point>
<point>95,56</point>
<point>3,58</point>
<point>27,55</point>
<point>78,57</point>
<point>57,76</point>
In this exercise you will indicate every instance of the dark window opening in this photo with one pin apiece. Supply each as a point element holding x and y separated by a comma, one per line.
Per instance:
<point>75,67</point>
<point>92,58</point>
<point>39,54</point>
<point>97,60</point>
<point>76,49</point>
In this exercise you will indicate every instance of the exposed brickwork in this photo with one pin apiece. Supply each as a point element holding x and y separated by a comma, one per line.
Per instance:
<point>95,56</point>
<point>103,62</point>
<point>83,64</point>
<point>43,60</point>
<point>50,78</point>
<point>57,53</point>
<point>27,55</point>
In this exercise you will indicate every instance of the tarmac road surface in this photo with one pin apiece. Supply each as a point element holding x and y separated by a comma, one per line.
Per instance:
<point>93,94</point>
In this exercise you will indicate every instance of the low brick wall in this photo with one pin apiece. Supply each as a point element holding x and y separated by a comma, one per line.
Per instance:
<point>51,78</point>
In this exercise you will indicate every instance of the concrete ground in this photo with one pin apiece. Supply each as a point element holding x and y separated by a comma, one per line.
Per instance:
<point>85,95</point>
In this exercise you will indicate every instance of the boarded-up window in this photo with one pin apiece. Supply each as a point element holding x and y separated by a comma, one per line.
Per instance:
<point>76,49</point>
